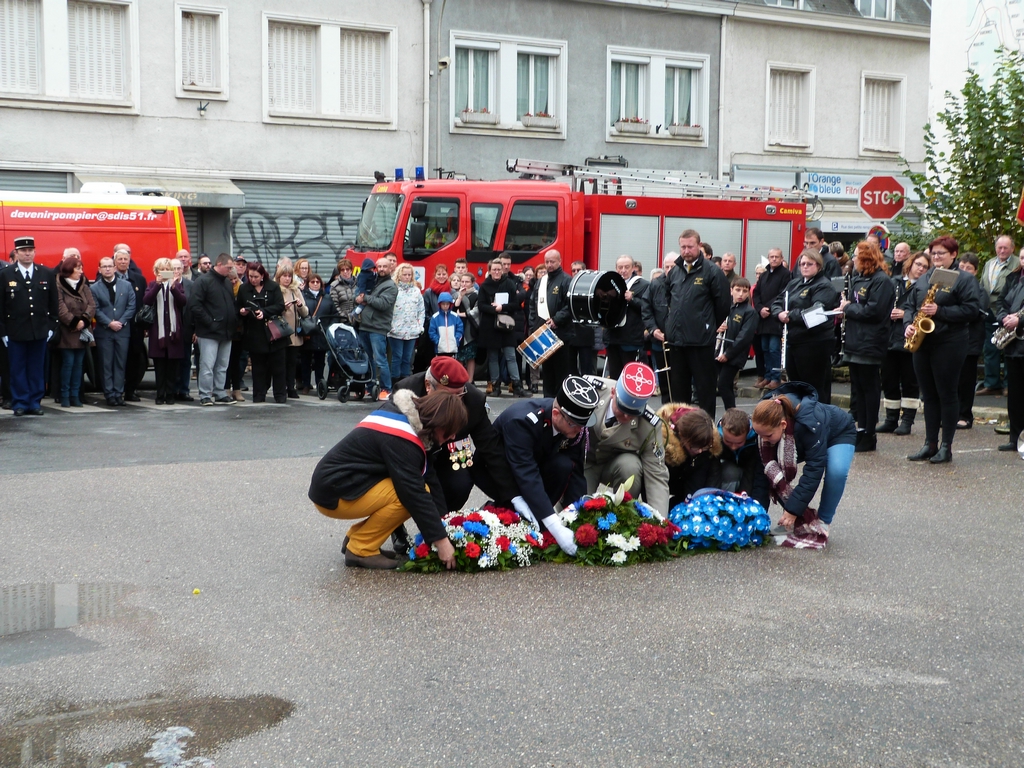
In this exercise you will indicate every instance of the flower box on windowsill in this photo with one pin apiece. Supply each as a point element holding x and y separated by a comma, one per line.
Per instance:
<point>686,131</point>
<point>624,126</point>
<point>469,117</point>
<point>539,121</point>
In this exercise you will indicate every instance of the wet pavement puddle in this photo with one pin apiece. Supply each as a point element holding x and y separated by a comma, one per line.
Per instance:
<point>35,607</point>
<point>179,733</point>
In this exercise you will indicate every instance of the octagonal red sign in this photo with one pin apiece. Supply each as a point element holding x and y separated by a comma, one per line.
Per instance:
<point>882,198</point>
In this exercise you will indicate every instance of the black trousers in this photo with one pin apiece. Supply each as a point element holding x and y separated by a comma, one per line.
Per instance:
<point>291,365</point>
<point>5,375</point>
<point>965,387</point>
<point>899,382</point>
<point>812,364</point>
<point>137,361</point>
<point>693,368</point>
<point>938,372</point>
<point>866,382</point>
<point>758,356</point>
<point>268,367</point>
<point>726,378</point>
<point>458,484</point>
<point>233,381</point>
<point>659,360</point>
<point>166,377</point>
<point>555,369</point>
<point>582,361</point>
<point>618,357</point>
<point>1015,395</point>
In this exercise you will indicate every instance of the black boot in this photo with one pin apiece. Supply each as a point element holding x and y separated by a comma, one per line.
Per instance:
<point>892,417</point>
<point>495,389</point>
<point>906,423</point>
<point>517,389</point>
<point>400,541</point>
<point>929,450</point>
<point>943,456</point>
<point>866,442</point>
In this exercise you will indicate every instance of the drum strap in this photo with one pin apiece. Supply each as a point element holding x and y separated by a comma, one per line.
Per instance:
<point>632,281</point>
<point>542,299</point>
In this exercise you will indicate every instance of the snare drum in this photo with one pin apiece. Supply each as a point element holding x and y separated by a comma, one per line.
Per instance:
<point>598,298</point>
<point>539,346</point>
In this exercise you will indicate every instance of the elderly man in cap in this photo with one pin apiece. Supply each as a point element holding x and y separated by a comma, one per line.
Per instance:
<point>546,446</point>
<point>627,440</point>
<point>28,318</point>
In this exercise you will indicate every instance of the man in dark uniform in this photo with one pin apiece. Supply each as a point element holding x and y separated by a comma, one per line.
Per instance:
<point>138,359</point>
<point>549,305</point>
<point>28,319</point>
<point>546,447</point>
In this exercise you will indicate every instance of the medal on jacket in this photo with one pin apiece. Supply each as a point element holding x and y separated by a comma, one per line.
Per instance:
<point>461,455</point>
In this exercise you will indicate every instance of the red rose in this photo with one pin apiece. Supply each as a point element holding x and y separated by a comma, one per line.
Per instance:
<point>508,518</point>
<point>472,549</point>
<point>649,535</point>
<point>547,540</point>
<point>586,535</point>
<point>627,496</point>
<point>532,541</point>
<point>503,543</point>
<point>474,517</point>
<point>457,520</point>
<point>423,550</point>
<point>598,503</point>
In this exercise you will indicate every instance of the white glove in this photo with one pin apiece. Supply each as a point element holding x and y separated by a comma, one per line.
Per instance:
<point>524,510</point>
<point>562,535</point>
<point>49,335</point>
<point>5,341</point>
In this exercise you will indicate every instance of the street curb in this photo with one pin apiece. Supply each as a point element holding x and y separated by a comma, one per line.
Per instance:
<point>843,401</point>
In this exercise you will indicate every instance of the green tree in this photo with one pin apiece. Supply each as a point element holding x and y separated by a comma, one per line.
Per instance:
<point>971,189</point>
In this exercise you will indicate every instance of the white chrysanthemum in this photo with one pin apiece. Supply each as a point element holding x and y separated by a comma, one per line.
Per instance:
<point>568,515</point>
<point>619,557</point>
<point>490,519</point>
<point>616,540</point>
<point>484,561</point>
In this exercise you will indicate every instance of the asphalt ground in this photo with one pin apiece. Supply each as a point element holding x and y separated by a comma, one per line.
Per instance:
<point>899,645</point>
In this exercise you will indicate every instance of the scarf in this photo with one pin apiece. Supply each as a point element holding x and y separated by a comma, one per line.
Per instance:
<point>779,464</point>
<point>73,283</point>
<point>164,302</point>
<point>439,287</point>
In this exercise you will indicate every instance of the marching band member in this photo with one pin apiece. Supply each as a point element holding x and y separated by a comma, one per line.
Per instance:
<point>899,382</point>
<point>866,335</point>
<point>976,334</point>
<point>792,426</point>
<point>809,347</point>
<point>627,437</point>
<point>738,329</point>
<point>941,356</point>
<point>1009,317</point>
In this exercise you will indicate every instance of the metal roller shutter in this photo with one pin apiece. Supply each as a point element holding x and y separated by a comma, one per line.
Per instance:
<point>635,236</point>
<point>30,181</point>
<point>762,236</point>
<point>313,221</point>
<point>191,216</point>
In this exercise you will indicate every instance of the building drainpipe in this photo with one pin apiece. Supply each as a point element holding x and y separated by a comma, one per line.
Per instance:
<point>721,95</point>
<point>426,85</point>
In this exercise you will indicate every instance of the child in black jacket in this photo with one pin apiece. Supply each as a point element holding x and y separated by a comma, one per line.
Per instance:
<point>739,327</point>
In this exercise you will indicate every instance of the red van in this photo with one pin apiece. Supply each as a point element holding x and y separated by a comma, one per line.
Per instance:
<point>153,227</point>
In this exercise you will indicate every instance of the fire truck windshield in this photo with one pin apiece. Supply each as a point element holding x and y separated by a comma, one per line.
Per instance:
<point>377,225</point>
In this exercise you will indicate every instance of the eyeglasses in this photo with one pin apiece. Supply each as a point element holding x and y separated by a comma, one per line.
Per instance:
<point>940,253</point>
<point>576,270</point>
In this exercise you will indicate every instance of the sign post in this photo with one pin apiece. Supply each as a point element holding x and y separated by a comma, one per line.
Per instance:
<point>882,198</point>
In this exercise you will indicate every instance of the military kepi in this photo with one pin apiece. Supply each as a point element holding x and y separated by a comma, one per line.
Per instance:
<point>577,400</point>
<point>24,242</point>
<point>634,387</point>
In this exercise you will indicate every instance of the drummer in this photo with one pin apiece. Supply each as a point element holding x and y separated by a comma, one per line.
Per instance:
<point>546,446</point>
<point>627,440</point>
<point>549,306</point>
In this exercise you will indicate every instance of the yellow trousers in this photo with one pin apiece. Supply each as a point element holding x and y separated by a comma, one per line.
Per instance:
<point>382,510</point>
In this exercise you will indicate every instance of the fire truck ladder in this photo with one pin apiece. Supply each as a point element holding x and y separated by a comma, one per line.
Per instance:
<point>626,181</point>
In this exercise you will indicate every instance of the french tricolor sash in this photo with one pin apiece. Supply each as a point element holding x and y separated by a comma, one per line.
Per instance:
<point>397,425</point>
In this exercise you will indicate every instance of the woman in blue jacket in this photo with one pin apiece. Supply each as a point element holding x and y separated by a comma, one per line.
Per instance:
<point>792,426</point>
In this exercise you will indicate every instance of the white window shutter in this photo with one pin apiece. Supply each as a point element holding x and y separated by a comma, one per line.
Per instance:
<point>97,50</point>
<point>198,50</point>
<point>362,73</point>
<point>786,116</point>
<point>292,67</point>
<point>19,46</point>
<point>880,114</point>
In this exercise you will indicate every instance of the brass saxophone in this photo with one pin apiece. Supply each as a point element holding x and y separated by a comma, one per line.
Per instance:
<point>1003,336</point>
<point>922,323</point>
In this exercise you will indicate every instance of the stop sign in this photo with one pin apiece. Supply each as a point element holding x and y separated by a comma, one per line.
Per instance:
<point>882,198</point>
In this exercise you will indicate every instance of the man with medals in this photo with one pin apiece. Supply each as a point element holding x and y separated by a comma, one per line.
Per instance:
<point>627,440</point>
<point>546,445</point>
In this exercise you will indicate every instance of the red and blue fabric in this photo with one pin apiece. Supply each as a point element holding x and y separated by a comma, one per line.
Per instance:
<point>396,425</point>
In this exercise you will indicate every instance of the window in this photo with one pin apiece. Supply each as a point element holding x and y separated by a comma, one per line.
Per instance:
<point>873,9</point>
<point>377,224</point>
<point>441,220</point>
<point>783,3</point>
<point>882,114</point>
<point>19,46</point>
<point>202,42</point>
<point>98,51</point>
<point>501,83</point>
<point>790,107</point>
<point>326,71</point>
<point>531,226</point>
<point>657,95</point>
<point>485,218</point>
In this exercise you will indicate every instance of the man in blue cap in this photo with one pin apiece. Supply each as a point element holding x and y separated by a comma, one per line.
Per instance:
<point>627,437</point>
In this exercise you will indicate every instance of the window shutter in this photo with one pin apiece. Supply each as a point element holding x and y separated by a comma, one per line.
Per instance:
<point>97,50</point>
<point>291,61</point>
<point>362,73</point>
<point>198,50</point>
<point>19,46</point>
<point>786,119</point>
<point>879,114</point>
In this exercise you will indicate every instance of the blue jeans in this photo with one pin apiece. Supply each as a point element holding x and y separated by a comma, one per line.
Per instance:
<point>840,457</point>
<point>376,346</point>
<point>401,357</point>
<point>772,348</point>
<point>71,372</point>
<point>495,356</point>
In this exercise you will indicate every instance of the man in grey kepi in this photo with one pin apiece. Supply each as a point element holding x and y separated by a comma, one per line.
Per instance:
<point>212,308</point>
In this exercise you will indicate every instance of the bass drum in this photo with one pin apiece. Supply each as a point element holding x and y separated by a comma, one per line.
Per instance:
<point>598,298</point>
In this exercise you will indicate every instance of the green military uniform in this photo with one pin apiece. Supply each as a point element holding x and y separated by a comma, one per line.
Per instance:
<point>620,451</point>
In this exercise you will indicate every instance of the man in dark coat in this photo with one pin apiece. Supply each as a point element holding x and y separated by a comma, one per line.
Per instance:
<point>549,305</point>
<point>772,282</point>
<point>655,315</point>
<point>138,360</point>
<point>211,309</point>
<point>28,319</point>
<point>497,300</point>
<point>626,342</point>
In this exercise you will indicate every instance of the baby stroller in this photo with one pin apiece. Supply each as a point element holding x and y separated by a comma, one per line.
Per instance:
<point>349,365</point>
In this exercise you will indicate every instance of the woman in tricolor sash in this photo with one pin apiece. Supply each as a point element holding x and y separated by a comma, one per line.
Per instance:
<point>379,474</point>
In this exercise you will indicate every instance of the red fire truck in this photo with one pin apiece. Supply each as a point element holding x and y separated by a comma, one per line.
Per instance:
<point>594,215</point>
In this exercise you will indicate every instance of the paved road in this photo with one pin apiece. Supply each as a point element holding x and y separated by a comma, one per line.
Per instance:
<point>900,645</point>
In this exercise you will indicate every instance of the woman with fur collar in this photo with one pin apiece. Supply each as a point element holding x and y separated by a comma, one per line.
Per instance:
<point>692,447</point>
<point>380,474</point>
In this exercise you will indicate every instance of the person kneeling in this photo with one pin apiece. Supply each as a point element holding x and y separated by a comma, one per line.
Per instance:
<point>738,468</point>
<point>380,473</point>
<point>692,447</point>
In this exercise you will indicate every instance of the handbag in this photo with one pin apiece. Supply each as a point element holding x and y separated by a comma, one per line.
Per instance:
<point>278,328</point>
<point>146,314</point>
<point>503,322</point>
<point>86,336</point>
<point>307,325</point>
